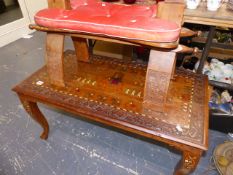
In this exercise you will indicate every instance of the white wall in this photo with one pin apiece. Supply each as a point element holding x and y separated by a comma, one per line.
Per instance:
<point>35,5</point>
<point>16,29</point>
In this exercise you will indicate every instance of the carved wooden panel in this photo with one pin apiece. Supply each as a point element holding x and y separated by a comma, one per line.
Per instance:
<point>159,72</point>
<point>155,86</point>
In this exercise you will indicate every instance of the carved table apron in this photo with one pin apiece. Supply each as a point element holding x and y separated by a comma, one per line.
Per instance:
<point>110,91</point>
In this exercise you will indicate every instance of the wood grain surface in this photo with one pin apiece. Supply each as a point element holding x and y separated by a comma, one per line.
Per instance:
<point>116,87</point>
<point>110,92</point>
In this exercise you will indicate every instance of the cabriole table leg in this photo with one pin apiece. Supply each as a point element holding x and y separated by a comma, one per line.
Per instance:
<point>188,162</point>
<point>33,110</point>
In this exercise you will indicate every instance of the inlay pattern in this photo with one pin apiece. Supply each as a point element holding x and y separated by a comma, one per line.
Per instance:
<point>186,124</point>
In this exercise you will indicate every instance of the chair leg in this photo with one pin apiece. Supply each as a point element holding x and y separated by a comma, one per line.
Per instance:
<point>159,72</point>
<point>33,110</point>
<point>54,58</point>
<point>81,49</point>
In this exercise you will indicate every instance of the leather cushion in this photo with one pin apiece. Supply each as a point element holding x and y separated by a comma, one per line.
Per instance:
<point>122,21</point>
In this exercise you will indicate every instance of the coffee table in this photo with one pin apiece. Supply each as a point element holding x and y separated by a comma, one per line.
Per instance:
<point>110,91</point>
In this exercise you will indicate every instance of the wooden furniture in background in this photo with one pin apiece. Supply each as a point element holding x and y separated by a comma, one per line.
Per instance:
<point>223,17</point>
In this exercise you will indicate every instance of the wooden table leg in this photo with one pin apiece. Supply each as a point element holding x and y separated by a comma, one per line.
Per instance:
<point>159,72</point>
<point>188,162</point>
<point>33,110</point>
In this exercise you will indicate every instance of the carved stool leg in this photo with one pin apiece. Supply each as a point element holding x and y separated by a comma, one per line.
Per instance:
<point>35,113</point>
<point>188,162</point>
<point>54,58</point>
<point>159,73</point>
<point>81,49</point>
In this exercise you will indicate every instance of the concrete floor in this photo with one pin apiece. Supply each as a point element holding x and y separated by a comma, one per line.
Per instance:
<point>74,147</point>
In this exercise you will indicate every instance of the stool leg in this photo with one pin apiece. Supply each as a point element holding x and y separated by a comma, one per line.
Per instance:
<point>33,110</point>
<point>81,49</point>
<point>159,72</point>
<point>54,58</point>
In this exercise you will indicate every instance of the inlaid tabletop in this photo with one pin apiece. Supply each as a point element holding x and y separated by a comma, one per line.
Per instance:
<point>112,89</point>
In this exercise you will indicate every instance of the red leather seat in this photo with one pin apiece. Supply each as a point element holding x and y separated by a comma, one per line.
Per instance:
<point>122,21</point>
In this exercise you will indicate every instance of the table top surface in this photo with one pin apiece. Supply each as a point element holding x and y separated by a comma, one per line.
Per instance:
<point>111,91</point>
